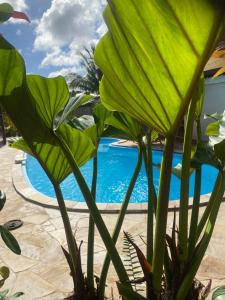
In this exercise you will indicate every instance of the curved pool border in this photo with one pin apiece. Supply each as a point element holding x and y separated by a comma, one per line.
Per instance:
<point>25,190</point>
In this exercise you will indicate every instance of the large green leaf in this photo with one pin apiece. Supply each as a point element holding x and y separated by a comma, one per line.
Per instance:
<point>68,113</point>
<point>32,106</point>
<point>79,143</point>
<point>50,96</point>
<point>153,56</point>
<point>100,115</point>
<point>95,130</point>
<point>216,133</point>
<point>126,124</point>
<point>213,129</point>
<point>6,11</point>
<point>83,122</point>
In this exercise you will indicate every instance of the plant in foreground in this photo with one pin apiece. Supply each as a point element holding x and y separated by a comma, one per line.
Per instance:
<point>159,96</point>
<point>13,245</point>
<point>144,85</point>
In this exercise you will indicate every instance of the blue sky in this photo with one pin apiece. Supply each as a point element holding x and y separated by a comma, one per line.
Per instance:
<point>59,29</point>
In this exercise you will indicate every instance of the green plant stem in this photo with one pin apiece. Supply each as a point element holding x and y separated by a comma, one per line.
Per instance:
<point>204,218</point>
<point>196,201</point>
<point>152,201</point>
<point>91,229</point>
<point>72,247</point>
<point>103,231</point>
<point>203,244</point>
<point>2,125</point>
<point>119,223</point>
<point>195,212</point>
<point>184,190</point>
<point>161,214</point>
<point>199,130</point>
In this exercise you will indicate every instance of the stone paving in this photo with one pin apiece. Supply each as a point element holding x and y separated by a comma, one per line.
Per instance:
<point>41,271</point>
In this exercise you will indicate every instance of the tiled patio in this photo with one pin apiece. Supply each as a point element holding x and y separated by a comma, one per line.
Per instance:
<point>41,271</point>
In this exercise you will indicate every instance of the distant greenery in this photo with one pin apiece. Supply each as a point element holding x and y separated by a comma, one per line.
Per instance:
<point>89,83</point>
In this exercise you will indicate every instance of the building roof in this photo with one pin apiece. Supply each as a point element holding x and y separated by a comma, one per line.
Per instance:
<point>215,61</point>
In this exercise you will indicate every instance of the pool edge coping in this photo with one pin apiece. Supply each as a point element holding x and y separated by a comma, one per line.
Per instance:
<point>28,193</point>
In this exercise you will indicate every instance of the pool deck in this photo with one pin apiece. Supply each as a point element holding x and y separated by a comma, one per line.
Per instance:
<point>41,270</point>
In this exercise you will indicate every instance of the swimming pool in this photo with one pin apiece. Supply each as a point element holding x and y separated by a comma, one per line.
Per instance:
<point>115,168</point>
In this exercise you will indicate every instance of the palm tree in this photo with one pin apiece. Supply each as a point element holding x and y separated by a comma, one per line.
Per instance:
<point>89,83</point>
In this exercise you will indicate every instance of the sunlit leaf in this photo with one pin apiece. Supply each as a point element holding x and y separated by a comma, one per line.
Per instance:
<point>213,129</point>
<point>83,122</point>
<point>100,114</point>
<point>151,64</point>
<point>32,106</point>
<point>80,144</point>
<point>126,124</point>
<point>115,133</point>
<point>68,113</point>
<point>216,133</point>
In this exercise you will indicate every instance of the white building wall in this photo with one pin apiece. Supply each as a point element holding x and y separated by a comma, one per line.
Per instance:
<point>214,98</point>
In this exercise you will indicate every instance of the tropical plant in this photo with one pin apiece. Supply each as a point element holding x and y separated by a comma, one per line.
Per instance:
<point>2,126</point>
<point>89,83</point>
<point>159,97</point>
<point>149,93</point>
<point>13,245</point>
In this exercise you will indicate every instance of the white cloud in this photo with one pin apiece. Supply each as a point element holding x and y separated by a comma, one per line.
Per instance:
<point>65,28</point>
<point>62,72</point>
<point>18,32</point>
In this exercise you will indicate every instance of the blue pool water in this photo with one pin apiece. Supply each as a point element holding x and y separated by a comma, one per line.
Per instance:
<point>115,168</point>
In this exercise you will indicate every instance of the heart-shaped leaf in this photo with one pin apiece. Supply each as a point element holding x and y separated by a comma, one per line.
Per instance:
<point>126,124</point>
<point>153,56</point>
<point>33,104</point>
<point>68,112</point>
